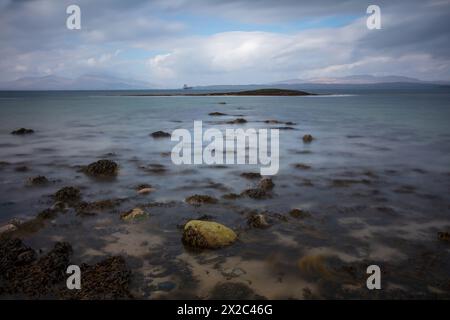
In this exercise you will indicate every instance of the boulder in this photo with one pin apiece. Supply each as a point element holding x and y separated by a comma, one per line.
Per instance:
<point>198,199</point>
<point>102,168</point>
<point>207,234</point>
<point>68,195</point>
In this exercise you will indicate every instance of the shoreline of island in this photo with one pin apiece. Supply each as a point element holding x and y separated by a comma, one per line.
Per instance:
<point>258,92</point>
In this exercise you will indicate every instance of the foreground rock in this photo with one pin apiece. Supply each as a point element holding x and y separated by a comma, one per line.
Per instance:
<point>102,168</point>
<point>198,199</point>
<point>24,275</point>
<point>134,214</point>
<point>160,134</point>
<point>207,235</point>
<point>22,131</point>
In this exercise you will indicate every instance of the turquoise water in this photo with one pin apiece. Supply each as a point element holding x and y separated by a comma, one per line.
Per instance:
<point>377,187</point>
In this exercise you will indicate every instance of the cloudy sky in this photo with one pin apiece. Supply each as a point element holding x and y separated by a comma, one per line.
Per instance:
<point>201,42</point>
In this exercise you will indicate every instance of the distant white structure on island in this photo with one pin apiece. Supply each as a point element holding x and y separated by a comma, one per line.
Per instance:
<point>185,87</point>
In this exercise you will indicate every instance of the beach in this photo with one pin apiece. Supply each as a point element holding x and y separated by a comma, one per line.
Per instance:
<point>370,188</point>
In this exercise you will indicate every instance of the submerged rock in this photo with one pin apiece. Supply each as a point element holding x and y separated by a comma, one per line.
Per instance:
<point>38,180</point>
<point>92,208</point>
<point>102,168</point>
<point>251,175</point>
<point>237,121</point>
<point>302,166</point>
<point>207,234</point>
<point>258,220</point>
<point>198,199</point>
<point>231,196</point>
<point>307,138</point>
<point>7,228</point>
<point>22,131</point>
<point>299,213</point>
<point>444,236</point>
<point>160,134</point>
<point>134,214</point>
<point>145,190</point>
<point>255,193</point>
<point>68,195</point>
<point>266,184</point>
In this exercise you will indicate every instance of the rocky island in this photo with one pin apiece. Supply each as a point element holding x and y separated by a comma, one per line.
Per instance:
<point>258,92</point>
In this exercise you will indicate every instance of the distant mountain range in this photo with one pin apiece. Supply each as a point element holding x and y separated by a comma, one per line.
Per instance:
<point>358,79</point>
<point>84,82</point>
<point>107,82</point>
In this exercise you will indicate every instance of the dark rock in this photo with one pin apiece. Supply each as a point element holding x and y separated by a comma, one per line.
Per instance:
<point>102,168</point>
<point>231,196</point>
<point>307,138</point>
<point>198,199</point>
<point>92,208</point>
<point>299,213</point>
<point>443,236</point>
<point>251,175</point>
<point>217,114</point>
<point>255,193</point>
<point>160,134</point>
<point>237,121</point>
<point>38,180</point>
<point>258,220</point>
<point>302,166</point>
<point>266,184</point>
<point>21,169</point>
<point>22,131</point>
<point>68,195</point>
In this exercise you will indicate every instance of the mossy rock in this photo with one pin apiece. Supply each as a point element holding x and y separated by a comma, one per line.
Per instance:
<point>134,214</point>
<point>207,234</point>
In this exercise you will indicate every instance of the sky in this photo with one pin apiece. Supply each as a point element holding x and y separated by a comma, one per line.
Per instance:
<point>201,42</point>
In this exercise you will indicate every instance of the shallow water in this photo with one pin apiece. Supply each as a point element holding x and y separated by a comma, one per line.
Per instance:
<point>377,190</point>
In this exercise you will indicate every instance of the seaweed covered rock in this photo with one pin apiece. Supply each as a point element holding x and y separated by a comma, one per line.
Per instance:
<point>299,213</point>
<point>251,175</point>
<point>21,273</point>
<point>109,279</point>
<point>102,168</point>
<point>258,220</point>
<point>37,181</point>
<point>198,199</point>
<point>22,131</point>
<point>307,138</point>
<point>68,195</point>
<point>207,234</point>
<point>266,184</point>
<point>443,236</point>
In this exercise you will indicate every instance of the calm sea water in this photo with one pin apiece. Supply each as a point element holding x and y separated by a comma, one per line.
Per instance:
<point>377,188</point>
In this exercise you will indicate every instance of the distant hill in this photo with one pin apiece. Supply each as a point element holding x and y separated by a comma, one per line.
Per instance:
<point>355,79</point>
<point>84,82</point>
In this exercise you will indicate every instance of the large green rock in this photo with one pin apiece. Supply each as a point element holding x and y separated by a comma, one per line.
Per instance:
<point>207,234</point>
